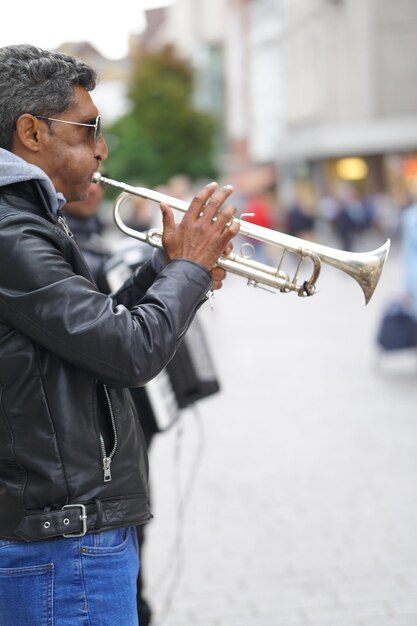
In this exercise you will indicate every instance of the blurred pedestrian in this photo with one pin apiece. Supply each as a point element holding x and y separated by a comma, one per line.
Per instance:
<point>397,328</point>
<point>409,247</point>
<point>351,218</point>
<point>87,228</point>
<point>301,218</point>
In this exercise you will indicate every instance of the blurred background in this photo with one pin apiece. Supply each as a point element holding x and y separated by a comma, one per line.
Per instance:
<point>309,104</point>
<point>288,497</point>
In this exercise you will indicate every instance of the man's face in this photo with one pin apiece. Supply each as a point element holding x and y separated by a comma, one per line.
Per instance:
<point>69,153</point>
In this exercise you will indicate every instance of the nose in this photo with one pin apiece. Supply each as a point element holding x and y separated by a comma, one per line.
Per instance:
<point>101,151</point>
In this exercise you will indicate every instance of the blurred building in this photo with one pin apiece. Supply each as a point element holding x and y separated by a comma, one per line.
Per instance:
<point>234,50</point>
<point>241,87</point>
<point>305,84</point>
<point>197,29</point>
<point>351,105</point>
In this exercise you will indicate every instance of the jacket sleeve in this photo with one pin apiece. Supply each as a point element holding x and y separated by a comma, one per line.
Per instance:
<point>42,297</point>
<point>136,285</point>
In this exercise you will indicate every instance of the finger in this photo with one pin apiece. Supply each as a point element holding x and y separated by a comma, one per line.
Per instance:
<point>224,218</point>
<point>230,230</point>
<point>167,218</point>
<point>214,203</point>
<point>169,226</point>
<point>228,249</point>
<point>217,284</point>
<point>199,201</point>
<point>218,274</point>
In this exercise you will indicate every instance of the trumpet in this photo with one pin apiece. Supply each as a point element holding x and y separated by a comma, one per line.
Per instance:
<point>365,268</point>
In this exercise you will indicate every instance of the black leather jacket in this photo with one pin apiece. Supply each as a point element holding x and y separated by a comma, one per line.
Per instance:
<point>69,434</point>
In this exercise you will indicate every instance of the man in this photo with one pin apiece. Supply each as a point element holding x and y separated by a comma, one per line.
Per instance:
<point>87,229</point>
<point>73,466</point>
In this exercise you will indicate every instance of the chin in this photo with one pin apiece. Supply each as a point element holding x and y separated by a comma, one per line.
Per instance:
<point>76,197</point>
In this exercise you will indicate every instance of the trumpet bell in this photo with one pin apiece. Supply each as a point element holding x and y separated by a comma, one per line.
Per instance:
<point>366,268</point>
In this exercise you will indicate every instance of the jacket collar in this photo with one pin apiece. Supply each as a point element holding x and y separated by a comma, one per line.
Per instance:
<point>13,170</point>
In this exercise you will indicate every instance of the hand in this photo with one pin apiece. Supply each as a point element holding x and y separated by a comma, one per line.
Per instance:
<point>218,274</point>
<point>198,236</point>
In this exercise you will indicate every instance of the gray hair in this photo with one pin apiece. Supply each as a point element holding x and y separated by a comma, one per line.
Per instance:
<point>36,81</point>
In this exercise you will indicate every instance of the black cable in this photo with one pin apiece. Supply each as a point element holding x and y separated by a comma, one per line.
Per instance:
<point>176,556</point>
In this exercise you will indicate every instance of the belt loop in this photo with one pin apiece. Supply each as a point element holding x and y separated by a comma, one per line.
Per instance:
<point>99,517</point>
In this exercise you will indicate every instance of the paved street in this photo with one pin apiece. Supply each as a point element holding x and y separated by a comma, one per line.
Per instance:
<point>290,498</point>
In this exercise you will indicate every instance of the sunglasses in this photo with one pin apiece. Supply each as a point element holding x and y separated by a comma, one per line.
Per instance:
<point>96,126</point>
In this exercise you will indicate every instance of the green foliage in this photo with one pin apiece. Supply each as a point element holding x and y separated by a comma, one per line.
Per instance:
<point>164,134</point>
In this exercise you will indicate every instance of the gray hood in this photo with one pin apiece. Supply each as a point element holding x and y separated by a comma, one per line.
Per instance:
<point>13,169</point>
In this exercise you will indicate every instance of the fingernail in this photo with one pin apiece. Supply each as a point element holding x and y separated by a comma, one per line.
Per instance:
<point>210,185</point>
<point>228,187</point>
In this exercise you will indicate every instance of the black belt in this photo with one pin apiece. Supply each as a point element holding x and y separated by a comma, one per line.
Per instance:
<point>75,520</point>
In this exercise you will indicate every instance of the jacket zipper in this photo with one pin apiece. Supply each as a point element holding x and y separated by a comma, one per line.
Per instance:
<point>63,222</point>
<point>107,458</point>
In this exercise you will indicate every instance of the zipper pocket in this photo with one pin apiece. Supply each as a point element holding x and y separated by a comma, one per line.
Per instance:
<point>107,458</point>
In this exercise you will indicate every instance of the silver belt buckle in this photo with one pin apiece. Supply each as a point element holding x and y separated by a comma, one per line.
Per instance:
<point>83,518</point>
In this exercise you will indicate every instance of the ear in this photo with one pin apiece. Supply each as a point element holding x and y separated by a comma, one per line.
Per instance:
<point>29,132</point>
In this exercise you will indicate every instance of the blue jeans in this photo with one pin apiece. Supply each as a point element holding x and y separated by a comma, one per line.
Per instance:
<point>82,581</point>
